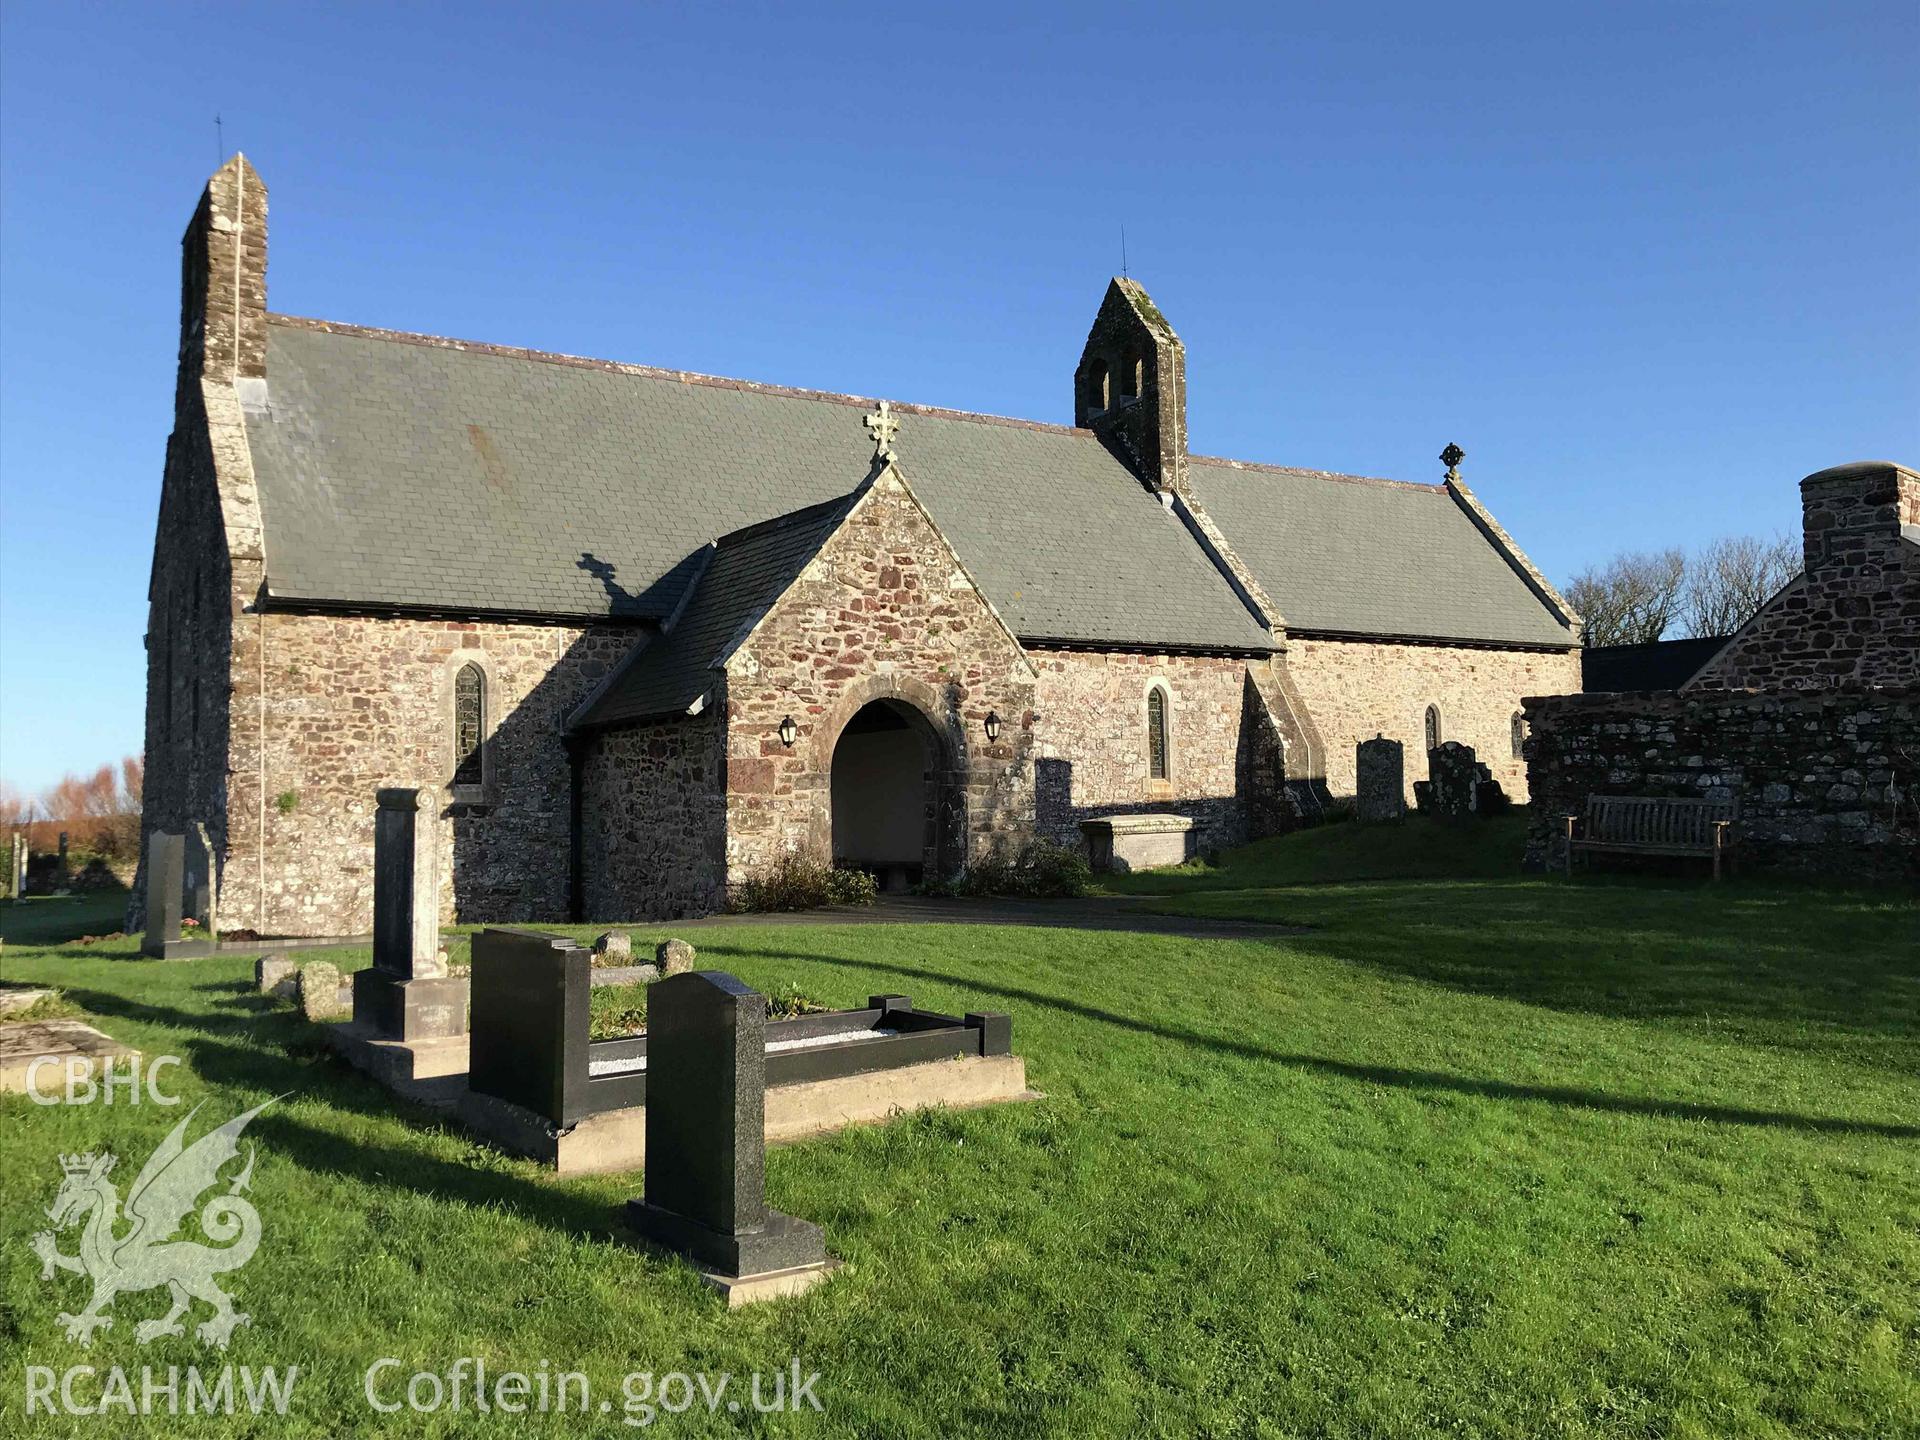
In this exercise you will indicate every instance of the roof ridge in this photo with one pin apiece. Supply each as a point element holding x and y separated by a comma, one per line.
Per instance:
<point>806,514</point>
<point>784,392</point>
<point>1439,489</point>
<point>657,372</point>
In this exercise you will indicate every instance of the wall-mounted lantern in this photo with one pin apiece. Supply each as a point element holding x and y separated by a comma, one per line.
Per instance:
<point>789,732</point>
<point>993,726</point>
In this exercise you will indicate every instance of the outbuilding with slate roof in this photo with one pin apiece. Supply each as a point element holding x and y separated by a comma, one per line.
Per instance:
<point>647,630</point>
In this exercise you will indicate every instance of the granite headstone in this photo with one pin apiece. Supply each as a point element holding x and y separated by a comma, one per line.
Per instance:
<point>705,1195</point>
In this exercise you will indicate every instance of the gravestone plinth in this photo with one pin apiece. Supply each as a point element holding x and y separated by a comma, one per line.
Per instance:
<point>1454,775</point>
<point>166,889</point>
<point>1380,780</point>
<point>407,994</point>
<point>706,1196</point>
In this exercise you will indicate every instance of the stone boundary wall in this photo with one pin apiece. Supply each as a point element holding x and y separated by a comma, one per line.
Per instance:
<point>1827,782</point>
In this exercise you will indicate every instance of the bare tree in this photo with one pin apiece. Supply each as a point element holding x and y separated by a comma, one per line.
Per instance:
<point>1732,578</point>
<point>1632,599</point>
<point>16,809</point>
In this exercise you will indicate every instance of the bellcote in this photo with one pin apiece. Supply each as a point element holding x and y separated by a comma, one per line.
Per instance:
<point>223,278</point>
<point>1131,387</point>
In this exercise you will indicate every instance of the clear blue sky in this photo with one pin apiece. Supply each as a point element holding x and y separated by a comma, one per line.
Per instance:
<point>1647,264</point>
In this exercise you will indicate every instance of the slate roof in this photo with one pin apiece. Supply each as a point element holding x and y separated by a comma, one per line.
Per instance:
<point>739,580</point>
<point>403,471</point>
<point>1661,665</point>
<point>1348,555</point>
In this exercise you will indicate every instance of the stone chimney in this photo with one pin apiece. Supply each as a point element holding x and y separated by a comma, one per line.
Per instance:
<point>1852,517</point>
<point>1131,388</point>
<point>223,278</point>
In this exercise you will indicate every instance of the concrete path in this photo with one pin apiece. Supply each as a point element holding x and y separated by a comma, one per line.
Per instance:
<point>1090,914</point>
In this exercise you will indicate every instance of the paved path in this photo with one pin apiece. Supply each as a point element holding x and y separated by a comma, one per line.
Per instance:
<point>1092,914</point>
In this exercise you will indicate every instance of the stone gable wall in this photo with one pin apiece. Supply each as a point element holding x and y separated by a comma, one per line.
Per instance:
<point>1827,782</point>
<point>653,820</point>
<point>884,611</point>
<point>192,609</point>
<point>1853,616</point>
<point>354,703</point>
<point>1092,758</point>
<point>1356,689</point>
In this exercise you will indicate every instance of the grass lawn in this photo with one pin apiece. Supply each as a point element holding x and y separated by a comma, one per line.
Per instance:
<point>1478,1155</point>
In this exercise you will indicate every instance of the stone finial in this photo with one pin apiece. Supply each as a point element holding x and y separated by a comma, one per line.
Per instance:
<point>884,427</point>
<point>1451,458</point>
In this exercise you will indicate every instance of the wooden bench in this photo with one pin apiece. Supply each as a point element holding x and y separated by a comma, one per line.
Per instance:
<point>1652,825</point>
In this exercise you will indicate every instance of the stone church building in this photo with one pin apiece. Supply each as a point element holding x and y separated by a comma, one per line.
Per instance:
<point>646,630</point>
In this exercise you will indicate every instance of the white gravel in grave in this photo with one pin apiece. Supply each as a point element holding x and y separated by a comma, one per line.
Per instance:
<point>809,1042</point>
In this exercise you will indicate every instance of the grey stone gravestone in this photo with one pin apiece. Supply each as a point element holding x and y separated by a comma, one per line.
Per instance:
<point>706,1195</point>
<point>406,994</point>
<point>674,957</point>
<point>1453,773</point>
<point>276,975</point>
<point>198,872</point>
<point>317,987</point>
<point>1380,781</point>
<point>166,863</point>
<point>17,880</point>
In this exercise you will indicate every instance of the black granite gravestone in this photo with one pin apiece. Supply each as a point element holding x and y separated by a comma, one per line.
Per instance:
<point>706,1193</point>
<point>166,890</point>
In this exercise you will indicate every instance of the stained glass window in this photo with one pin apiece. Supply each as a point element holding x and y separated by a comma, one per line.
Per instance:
<point>469,725</point>
<point>1433,727</point>
<point>1157,734</point>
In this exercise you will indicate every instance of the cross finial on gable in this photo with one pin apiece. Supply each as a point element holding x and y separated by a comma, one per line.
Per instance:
<point>884,428</point>
<point>1451,458</point>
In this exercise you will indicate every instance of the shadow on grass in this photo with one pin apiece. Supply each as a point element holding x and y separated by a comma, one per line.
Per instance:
<point>1779,959</point>
<point>291,1056</point>
<point>1377,1074</point>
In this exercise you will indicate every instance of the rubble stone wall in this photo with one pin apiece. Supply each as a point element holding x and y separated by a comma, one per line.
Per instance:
<point>1093,757</point>
<point>885,612</point>
<point>354,703</point>
<point>1827,782</point>
<point>1357,689</point>
<point>653,820</point>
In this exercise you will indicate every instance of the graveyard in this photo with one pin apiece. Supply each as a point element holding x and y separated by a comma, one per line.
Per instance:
<point>1621,1154</point>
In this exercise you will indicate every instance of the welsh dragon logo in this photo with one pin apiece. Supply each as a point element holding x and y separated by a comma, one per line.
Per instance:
<point>145,1255</point>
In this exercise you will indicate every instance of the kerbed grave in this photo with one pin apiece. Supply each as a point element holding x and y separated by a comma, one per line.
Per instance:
<point>538,1085</point>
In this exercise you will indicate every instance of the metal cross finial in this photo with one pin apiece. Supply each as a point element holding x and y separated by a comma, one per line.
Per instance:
<point>884,428</point>
<point>1451,458</point>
